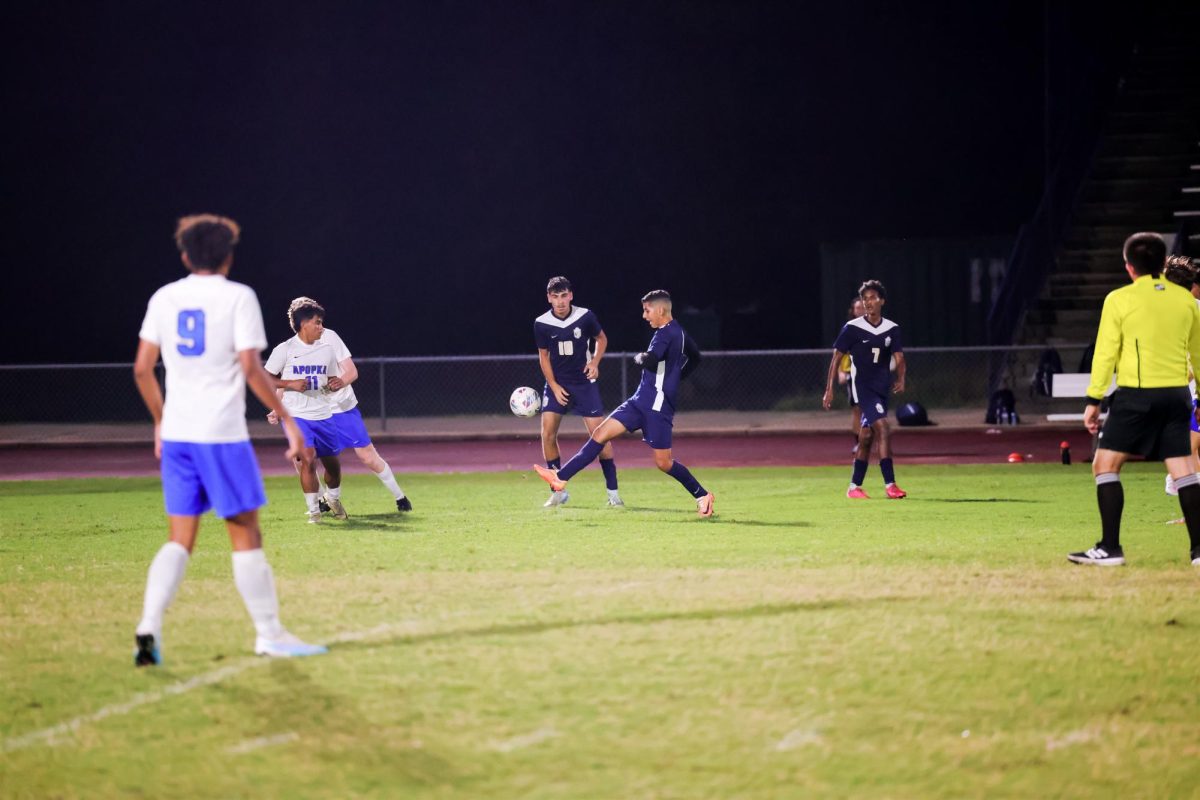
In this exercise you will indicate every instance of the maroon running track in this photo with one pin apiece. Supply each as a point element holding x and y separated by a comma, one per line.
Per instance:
<point>924,446</point>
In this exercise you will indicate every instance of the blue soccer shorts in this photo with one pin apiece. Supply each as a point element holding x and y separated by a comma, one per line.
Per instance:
<point>873,407</point>
<point>654,425</point>
<point>321,435</point>
<point>223,477</point>
<point>583,399</point>
<point>351,430</point>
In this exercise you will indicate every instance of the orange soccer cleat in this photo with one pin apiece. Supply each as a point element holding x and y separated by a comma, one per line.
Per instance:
<point>704,505</point>
<point>856,493</point>
<point>550,476</point>
<point>894,492</point>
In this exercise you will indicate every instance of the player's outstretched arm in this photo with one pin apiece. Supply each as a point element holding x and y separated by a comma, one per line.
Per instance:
<point>901,371</point>
<point>147,386</point>
<point>260,382</point>
<point>827,398</point>
<point>693,358</point>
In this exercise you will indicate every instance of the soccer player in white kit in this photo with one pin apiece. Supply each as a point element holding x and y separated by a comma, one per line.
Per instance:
<point>302,366</point>
<point>209,332</point>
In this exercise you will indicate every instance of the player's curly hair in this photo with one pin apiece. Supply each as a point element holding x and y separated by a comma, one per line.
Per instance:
<point>1182,271</point>
<point>301,310</point>
<point>873,284</point>
<point>558,284</point>
<point>206,239</point>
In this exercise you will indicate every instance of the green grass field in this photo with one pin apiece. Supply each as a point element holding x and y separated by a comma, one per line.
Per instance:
<point>796,645</point>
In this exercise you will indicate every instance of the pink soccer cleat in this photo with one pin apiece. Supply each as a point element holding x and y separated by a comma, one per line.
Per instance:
<point>550,476</point>
<point>856,493</point>
<point>704,505</point>
<point>894,492</point>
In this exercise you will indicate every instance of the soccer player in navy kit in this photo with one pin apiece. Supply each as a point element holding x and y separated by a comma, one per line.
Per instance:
<point>872,342</point>
<point>670,358</point>
<point>564,337</point>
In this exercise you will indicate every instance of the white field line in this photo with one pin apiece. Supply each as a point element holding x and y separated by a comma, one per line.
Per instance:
<point>48,735</point>
<point>800,737</point>
<point>250,745</point>
<point>1069,739</point>
<point>527,740</point>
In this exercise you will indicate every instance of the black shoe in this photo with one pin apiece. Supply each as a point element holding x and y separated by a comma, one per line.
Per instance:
<point>404,504</point>
<point>146,654</point>
<point>322,506</point>
<point>1099,556</point>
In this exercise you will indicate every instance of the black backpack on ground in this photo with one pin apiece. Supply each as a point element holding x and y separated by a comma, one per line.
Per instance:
<point>1049,364</point>
<point>1002,408</point>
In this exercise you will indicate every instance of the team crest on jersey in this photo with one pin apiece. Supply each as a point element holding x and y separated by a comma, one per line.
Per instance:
<point>578,332</point>
<point>879,407</point>
<point>887,342</point>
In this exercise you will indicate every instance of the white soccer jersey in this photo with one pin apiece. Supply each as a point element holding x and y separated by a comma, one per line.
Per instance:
<point>343,399</point>
<point>200,324</point>
<point>315,364</point>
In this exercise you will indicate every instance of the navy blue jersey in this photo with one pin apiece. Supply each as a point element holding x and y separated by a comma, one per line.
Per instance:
<point>870,348</point>
<point>570,342</point>
<point>659,386</point>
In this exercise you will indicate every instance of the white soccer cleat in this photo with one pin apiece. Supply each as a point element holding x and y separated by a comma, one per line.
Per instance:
<point>287,646</point>
<point>314,518</point>
<point>336,508</point>
<point>556,499</point>
<point>615,501</point>
<point>1169,488</point>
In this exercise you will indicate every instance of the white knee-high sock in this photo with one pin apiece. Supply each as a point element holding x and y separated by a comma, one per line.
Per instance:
<point>162,581</point>
<point>389,480</point>
<point>321,487</point>
<point>256,583</point>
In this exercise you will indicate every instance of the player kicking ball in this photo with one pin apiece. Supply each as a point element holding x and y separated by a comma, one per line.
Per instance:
<point>209,332</point>
<point>871,341</point>
<point>671,357</point>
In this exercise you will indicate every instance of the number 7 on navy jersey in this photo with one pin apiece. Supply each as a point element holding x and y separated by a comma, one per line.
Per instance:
<point>191,331</point>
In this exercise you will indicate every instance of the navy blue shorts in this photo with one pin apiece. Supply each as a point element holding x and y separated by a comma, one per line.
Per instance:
<point>351,430</point>
<point>873,407</point>
<point>321,435</point>
<point>583,399</point>
<point>654,425</point>
<point>223,477</point>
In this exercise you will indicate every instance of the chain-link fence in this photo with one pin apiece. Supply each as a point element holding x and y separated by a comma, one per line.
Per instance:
<point>429,386</point>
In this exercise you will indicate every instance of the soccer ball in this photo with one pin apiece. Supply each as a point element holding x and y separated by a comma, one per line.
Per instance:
<point>525,402</point>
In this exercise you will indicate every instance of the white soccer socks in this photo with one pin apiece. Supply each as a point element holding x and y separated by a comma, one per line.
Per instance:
<point>256,583</point>
<point>162,581</point>
<point>389,480</point>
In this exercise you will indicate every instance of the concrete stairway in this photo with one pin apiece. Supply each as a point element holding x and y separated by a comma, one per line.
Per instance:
<point>1148,160</point>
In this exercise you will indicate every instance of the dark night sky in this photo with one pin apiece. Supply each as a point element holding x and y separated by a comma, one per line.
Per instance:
<point>422,168</point>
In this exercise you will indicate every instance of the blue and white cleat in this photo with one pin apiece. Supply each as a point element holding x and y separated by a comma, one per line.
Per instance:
<point>287,646</point>
<point>145,653</point>
<point>557,499</point>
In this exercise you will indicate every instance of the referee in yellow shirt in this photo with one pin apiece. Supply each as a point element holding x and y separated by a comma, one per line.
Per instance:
<point>1147,332</point>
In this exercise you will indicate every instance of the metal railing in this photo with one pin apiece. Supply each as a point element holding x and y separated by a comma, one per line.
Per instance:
<point>436,386</point>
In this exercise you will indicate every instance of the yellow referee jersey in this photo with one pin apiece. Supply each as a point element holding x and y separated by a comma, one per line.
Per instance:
<point>1147,332</point>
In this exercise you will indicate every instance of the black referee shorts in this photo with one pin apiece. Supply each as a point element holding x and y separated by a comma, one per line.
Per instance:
<point>1154,423</point>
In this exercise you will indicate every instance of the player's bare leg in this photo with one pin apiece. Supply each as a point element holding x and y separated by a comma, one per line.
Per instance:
<point>667,463</point>
<point>331,491</point>
<point>307,467</point>
<point>162,582</point>
<point>604,433</point>
<point>371,459</point>
<point>862,456</point>
<point>256,584</point>
<point>607,465</point>
<point>551,422</point>
<point>884,434</point>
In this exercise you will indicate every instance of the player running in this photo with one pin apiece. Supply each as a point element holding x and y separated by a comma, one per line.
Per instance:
<point>872,342</point>
<point>570,344</point>
<point>671,357</point>
<point>209,332</point>
<point>302,367</point>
